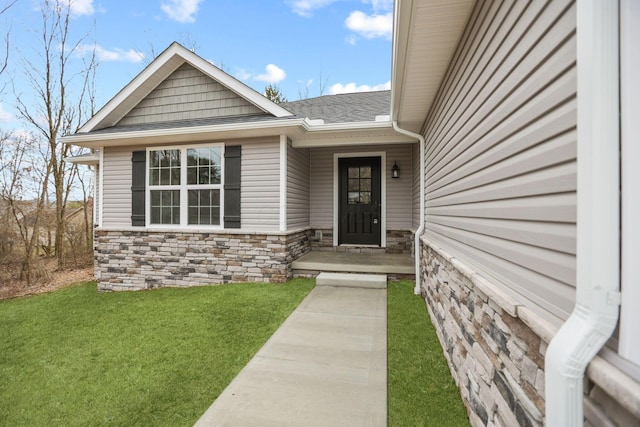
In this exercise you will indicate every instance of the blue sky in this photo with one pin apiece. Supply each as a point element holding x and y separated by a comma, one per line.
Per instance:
<point>294,44</point>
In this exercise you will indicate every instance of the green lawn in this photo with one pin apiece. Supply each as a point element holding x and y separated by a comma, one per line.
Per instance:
<point>76,357</point>
<point>421,390</point>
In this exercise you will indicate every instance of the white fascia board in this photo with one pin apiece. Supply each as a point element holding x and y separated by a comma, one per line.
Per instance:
<point>310,126</point>
<point>161,67</point>
<point>347,140</point>
<point>401,24</point>
<point>92,159</point>
<point>188,133</point>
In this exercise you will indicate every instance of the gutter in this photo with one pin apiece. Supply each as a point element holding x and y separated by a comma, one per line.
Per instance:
<point>420,229</point>
<point>595,315</point>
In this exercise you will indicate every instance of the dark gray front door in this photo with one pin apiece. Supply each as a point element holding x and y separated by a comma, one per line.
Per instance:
<point>359,201</point>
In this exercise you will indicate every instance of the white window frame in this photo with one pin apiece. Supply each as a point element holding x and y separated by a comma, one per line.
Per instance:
<point>184,188</point>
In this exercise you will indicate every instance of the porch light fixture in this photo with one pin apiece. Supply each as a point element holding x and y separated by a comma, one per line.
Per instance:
<point>395,170</point>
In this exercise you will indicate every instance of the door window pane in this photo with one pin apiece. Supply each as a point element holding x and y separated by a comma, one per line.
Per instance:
<point>359,182</point>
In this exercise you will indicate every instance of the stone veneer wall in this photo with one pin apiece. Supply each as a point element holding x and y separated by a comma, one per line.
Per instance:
<point>495,349</point>
<point>145,259</point>
<point>398,242</point>
<point>495,358</point>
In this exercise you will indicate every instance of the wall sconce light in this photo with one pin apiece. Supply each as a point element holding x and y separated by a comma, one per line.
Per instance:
<point>395,170</point>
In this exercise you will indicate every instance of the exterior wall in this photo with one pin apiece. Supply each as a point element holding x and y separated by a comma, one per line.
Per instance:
<point>117,187</point>
<point>260,190</point>
<point>501,151</point>
<point>399,191</point>
<point>260,186</point>
<point>415,207</point>
<point>297,187</point>
<point>498,254</point>
<point>188,94</point>
<point>495,348</point>
<point>398,242</point>
<point>135,260</point>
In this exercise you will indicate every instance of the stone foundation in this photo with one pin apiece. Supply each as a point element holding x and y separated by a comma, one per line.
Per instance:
<point>398,242</point>
<point>495,358</point>
<point>495,349</point>
<point>133,260</point>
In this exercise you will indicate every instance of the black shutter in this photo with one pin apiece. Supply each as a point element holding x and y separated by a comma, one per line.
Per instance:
<point>138,173</point>
<point>232,166</point>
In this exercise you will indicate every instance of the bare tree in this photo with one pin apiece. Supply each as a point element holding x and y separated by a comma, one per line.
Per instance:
<point>4,53</point>
<point>57,110</point>
<point>303,91</point>
<point>23,191</point>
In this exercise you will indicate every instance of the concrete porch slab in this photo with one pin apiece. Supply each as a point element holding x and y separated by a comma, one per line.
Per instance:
<point>355,262</point>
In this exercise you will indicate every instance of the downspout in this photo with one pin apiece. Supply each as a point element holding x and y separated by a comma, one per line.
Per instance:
<point>595,314</point>
<point>420,229</point>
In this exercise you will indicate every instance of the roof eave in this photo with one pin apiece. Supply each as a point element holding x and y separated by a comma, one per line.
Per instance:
<point>184,134</point>
<point>426,34</point>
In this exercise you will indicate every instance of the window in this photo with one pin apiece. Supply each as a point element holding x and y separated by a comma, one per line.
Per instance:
<point>359,185</point>
<point>185,186</point>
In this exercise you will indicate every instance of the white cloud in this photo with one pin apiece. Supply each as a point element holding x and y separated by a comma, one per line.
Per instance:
<point>273,74</point>
<point>78,7</point>
<point>115,55</point>
<point>370,26</point>
<point>380,5</point>
<point>5,116</point>
<point>182,11</point>
<point>306,7</point>
<point>352,87</point>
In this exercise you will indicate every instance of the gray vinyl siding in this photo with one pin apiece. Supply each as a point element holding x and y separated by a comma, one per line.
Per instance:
<point>415,182</point>
<point>117,187</point>
<point>188,94</point>
<point>297,187</point>
<point>260,188</point>
<point>501,151</point>
<point>399,191</point>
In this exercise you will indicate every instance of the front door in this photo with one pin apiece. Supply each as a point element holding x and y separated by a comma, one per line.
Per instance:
<point>359,201</point>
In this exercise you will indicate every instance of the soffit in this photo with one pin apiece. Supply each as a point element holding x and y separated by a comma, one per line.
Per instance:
<point>426,34</point>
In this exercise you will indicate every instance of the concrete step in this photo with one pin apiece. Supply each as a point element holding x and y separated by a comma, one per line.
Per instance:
<point>350,280</point>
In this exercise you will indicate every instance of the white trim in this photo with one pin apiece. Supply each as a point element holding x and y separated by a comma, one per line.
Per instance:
<point>283,182</point>
<point>180,134</point>
<point>184,199</point>
<point>629,345</point>
<point>101,178</point>
<point>383,192</point>
<point>347,140</point>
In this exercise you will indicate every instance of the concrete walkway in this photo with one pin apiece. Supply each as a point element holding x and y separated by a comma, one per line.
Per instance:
<point>325,366</point>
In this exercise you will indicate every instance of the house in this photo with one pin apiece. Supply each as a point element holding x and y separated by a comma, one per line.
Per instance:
<point>203,180</point>
<point>503,120</point>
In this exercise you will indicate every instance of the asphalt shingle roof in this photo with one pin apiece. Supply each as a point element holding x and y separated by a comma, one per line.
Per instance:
<point>343,108</point>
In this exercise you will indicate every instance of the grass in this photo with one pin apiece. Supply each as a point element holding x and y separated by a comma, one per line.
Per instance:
<point>77,357</point>
<point>421,391</point>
